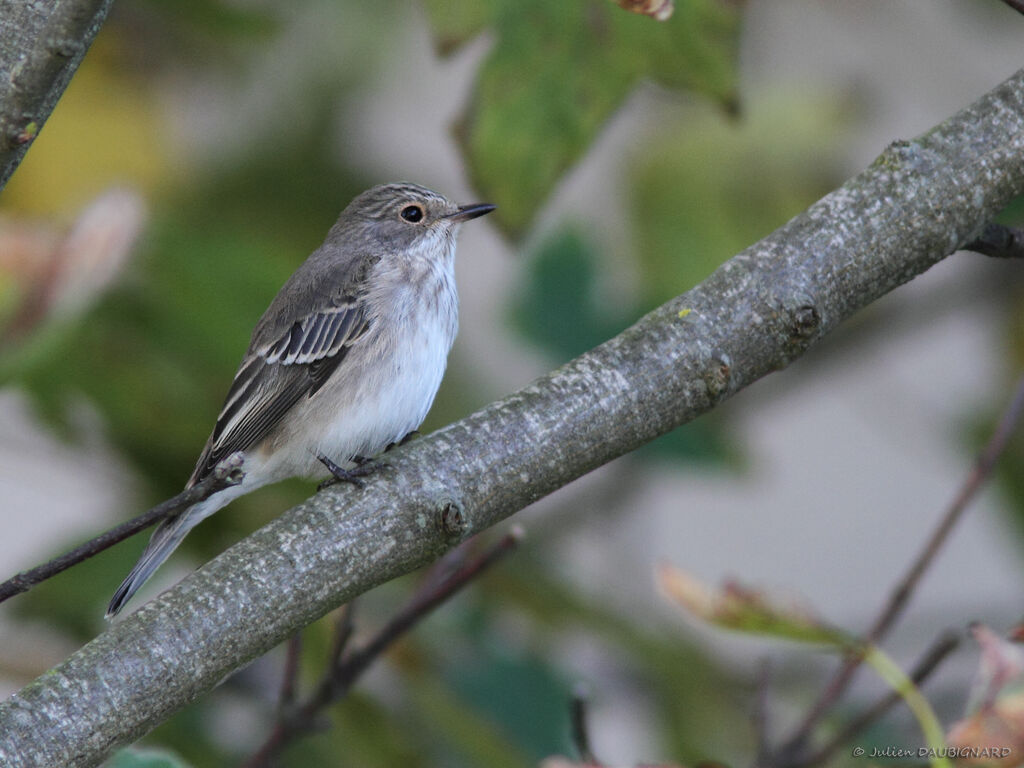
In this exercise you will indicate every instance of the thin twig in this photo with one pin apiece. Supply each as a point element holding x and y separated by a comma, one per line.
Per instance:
<point>945,645</point>
<point>979,474</point>
<point>226,474</point>
<point>760,717</point>
<point>580,732</point>
<point>1017,5</point>
<point>338,680</point>
<point>289,681</point>
<point>999,241</point>
<point>343,629</point>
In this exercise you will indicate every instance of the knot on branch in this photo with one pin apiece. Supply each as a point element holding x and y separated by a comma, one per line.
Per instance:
<point>800,324</point>
<point>450,518</point>
<point>804,323</point>
<point>717,375</point>
<point>66,47</point>
<point>896,154</point>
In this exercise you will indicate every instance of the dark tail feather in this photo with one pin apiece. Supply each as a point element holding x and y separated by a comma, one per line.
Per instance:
<point>167,537</point>
<point>165,540</point>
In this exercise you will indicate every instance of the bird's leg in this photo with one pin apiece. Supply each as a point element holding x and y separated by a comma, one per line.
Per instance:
<point>363,467</point>
<point>411,436</point>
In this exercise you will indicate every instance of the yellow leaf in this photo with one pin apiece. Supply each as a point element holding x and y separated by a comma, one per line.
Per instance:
<point>740,608</point>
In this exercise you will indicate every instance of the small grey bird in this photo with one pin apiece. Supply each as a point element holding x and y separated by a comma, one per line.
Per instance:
<point>345,361</point>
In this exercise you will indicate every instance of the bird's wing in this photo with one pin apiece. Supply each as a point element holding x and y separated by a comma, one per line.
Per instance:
<point>276,373</point>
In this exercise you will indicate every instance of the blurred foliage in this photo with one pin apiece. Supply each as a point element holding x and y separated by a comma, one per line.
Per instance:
<point>703,189</point>
<point>558,71</point>
<point>145,758</point>
<point>690,696</point>
<point>558,306</point>
<point>216,19</point>
<point>531,709</point>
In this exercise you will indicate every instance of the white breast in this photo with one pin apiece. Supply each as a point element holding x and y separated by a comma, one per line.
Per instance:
<point>386,384</point>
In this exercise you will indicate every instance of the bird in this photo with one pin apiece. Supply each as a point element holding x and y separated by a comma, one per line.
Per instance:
<point>345,361</point>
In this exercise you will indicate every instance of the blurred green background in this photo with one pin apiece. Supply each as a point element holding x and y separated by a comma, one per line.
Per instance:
<point>628,158</point>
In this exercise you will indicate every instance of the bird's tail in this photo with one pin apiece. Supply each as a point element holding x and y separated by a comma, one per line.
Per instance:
<point>166,538</point>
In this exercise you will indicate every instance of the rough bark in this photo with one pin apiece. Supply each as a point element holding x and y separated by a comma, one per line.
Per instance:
<point>757,313</point>
<point>41,45</point>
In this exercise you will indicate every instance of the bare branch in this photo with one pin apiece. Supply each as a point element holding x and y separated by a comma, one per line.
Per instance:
<point>978,476</point>
<point>227,473</point>
<point>755,314</point>
<point>41,46</point>
<point>580,732</point>
<point>343,629</point>
<point>999,241</point>
<point>760,715</point>
<point>289,681</point>
<point>339,679</point>
<point>1017,5</point>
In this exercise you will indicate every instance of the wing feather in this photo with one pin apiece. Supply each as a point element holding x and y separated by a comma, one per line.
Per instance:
<point>315,336</point>
<point>274,376</point>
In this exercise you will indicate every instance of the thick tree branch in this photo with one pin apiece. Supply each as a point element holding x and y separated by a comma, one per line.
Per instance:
<point>758,312</point>
<point>41,46</point>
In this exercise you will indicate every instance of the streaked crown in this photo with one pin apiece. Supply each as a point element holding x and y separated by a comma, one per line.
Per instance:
<point>400,201</point>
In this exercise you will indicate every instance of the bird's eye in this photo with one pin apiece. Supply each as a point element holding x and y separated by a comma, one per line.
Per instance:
<point>412,213</point>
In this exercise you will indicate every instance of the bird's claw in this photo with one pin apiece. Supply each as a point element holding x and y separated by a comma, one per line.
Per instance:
<point>363,467</point>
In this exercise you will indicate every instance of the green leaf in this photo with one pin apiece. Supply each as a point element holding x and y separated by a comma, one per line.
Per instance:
<point>522,695</point>
<point>453,726</point>
<point>557,308</point>
<point>557,72</point>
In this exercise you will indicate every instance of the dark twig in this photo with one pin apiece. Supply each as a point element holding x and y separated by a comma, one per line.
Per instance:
<point>760,716</point>
<point>981,471</point>
<point>343,629</point>
<point>226,474</point>
<point>580,733</point>
<point>289,681</point>
<point>997,240</point>
<point>1017,5</point>
<point>339,679</point>
<point>945,645</point>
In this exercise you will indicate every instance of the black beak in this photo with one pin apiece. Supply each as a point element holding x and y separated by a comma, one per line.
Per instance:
<point>467,212</point>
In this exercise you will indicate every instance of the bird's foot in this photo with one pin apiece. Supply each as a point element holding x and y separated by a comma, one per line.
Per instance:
<point>363,467</point>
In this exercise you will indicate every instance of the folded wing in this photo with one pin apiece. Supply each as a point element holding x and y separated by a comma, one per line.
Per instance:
<point>275,375</point>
